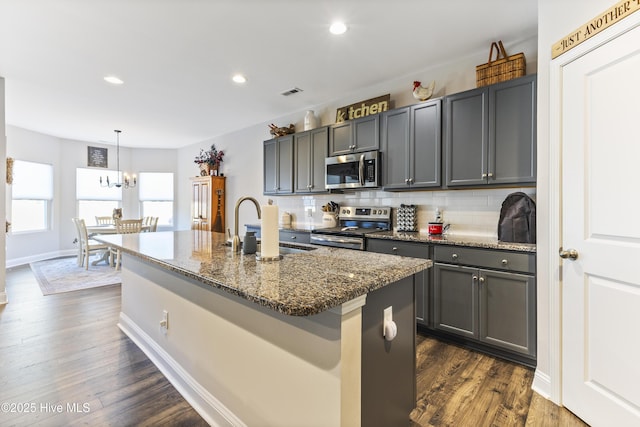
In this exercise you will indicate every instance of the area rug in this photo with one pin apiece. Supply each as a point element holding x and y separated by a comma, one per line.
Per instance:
<point>63,275</point>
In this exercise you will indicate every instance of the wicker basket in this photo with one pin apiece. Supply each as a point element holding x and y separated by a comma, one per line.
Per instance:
<point>502,68</point>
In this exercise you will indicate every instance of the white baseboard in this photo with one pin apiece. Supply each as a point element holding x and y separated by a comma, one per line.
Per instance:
<point>542,384</point>
<point>16,262</point>
<point>204,403</point>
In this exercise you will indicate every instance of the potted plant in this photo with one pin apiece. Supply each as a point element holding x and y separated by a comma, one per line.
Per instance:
<point>209,160</point>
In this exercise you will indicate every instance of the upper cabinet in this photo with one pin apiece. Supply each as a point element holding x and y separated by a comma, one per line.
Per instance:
<point>356,135</point>
<point>278,165</point>
<point>411,143</point>
<point>310,148</point>
<point>490,135</point>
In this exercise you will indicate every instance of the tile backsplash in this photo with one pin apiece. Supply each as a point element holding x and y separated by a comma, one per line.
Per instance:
<point>470,212</point>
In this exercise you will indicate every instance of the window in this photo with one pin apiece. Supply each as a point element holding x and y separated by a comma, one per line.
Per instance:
<point>31,194</point>
<point>93,199</point>
<point>155,191</point>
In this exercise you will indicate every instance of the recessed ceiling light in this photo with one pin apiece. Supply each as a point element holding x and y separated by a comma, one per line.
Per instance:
<point>239,78</point>
<point>338,28</point>
<point>113,80</point>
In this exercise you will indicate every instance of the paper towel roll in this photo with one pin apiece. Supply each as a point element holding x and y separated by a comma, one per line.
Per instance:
<point>270,238</point>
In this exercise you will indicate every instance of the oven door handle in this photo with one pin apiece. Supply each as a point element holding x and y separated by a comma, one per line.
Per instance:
<point>361,169</point>
<point>334,239</point>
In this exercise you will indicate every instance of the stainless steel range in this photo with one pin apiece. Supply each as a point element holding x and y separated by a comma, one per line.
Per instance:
<point>353,224</point>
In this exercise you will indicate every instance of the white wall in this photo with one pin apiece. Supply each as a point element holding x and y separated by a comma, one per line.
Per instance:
<point>556,19</point>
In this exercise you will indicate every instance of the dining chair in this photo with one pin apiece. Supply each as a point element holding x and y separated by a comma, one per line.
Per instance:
<point>153,223</point>
<point>104,220</point>
<point>87,245</point>
<point>124,226</point>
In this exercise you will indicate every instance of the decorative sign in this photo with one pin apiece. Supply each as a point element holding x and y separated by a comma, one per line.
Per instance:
<point>593,27</point>
<point>364,108</point>
<point>97,157</point>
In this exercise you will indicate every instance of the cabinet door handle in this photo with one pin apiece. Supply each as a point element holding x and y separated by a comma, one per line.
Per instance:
<point>294,237</point>
<point>394,249</point>
<point>481,280</point>
<point>475,278</point>
<point>454,257</point>
<point>484,175</point>
<point>490,175</point>
<point>410,180</point>
<point>406,180</point>
<point>505,262</point>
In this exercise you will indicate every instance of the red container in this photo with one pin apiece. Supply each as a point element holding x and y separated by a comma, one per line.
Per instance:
<point>437,228</point>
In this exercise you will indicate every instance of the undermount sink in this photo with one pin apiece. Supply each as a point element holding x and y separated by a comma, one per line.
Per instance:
<point>284,250</point>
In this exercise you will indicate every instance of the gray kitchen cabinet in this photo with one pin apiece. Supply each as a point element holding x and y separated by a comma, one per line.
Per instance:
<point>310,150</point>
<point>487,296</point>
<point>410,249</point>
<point>294,236</point>
<point>490,135</point>
<point>362,134</point>
<point>411,143</point>
<point>278,165</point>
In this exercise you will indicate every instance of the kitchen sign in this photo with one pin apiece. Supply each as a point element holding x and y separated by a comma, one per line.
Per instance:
<point>593,27</point>
<point>364,108</point>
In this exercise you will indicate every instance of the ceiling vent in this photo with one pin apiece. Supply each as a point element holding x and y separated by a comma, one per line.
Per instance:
<point>291,91</point>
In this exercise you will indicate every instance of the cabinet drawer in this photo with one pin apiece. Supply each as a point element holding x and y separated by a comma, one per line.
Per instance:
<point>294,236</point>
<point>394,247</point>
<point>486,258</point>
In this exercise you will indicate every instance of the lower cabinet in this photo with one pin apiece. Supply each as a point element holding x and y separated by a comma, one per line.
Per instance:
<point>415,250</point>
<point>487,305</point>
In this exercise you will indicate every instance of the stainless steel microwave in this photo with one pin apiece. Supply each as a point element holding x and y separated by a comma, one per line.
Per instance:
<point>352,171</point>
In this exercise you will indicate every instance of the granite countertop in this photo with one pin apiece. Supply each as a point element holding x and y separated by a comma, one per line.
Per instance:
<point>453,239</point>
<point>446,239</point>
<point>300,284</point>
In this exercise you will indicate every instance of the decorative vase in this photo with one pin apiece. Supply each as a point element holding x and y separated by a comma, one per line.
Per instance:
<point>204,169</point>
<point>310,120</point>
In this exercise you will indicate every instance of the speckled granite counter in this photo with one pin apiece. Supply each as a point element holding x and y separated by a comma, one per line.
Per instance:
<point>300,284</point>
<point>455,240</point>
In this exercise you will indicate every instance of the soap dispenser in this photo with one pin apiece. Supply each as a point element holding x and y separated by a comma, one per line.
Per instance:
<point>249,246</point>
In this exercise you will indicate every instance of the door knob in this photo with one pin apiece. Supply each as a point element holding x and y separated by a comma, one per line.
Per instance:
<point>571,254</point>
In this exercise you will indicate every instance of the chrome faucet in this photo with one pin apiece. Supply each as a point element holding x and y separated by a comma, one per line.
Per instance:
<point>235,244</point>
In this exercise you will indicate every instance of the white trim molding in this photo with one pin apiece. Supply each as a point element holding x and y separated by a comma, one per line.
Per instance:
<point>205,404</point>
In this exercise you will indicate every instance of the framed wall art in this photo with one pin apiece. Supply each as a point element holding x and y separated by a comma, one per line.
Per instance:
<point>97,157</point>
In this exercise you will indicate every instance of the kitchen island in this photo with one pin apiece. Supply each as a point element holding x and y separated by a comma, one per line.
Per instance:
<point>294,342</point>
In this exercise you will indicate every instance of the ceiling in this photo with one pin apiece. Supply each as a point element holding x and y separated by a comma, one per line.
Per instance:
<point>177,57</point>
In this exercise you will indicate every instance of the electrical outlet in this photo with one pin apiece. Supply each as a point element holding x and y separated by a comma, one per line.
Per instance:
<point>164,323</point>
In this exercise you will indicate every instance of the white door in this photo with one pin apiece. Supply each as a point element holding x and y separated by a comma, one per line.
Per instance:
<point>601,222</point>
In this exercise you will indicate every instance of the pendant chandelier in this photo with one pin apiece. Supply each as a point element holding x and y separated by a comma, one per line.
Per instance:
<point>126,181</point>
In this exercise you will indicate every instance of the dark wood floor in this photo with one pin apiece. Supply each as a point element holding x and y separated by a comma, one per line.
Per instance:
<point>66,350</point>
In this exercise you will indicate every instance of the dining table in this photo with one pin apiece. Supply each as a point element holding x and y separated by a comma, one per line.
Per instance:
<point>92,230</point>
